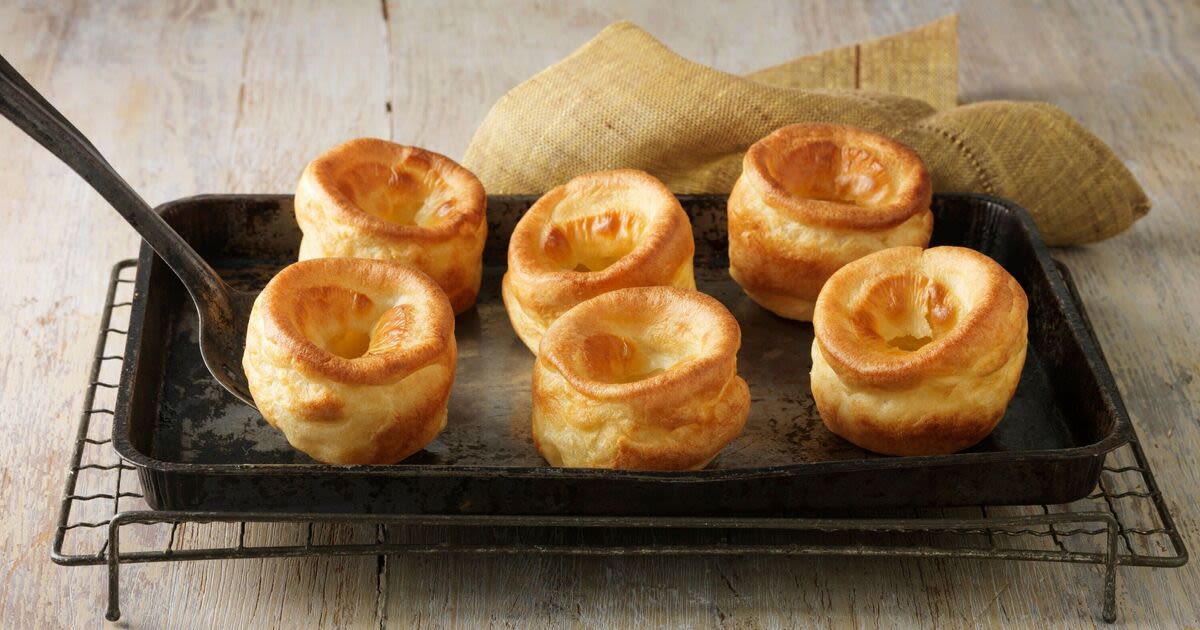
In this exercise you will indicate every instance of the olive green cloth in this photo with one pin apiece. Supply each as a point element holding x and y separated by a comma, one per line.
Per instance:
<point>625,100</point>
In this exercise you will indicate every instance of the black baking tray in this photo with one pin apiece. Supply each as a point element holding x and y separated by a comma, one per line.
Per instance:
<point>196,447</point>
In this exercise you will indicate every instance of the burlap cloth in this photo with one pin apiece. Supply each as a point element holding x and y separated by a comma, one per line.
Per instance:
<point>625,100</point>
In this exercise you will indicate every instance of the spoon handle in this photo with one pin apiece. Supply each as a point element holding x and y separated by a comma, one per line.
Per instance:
<point>29,111</point>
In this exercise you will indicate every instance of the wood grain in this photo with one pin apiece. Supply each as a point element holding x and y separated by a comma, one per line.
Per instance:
<point>190,97</point>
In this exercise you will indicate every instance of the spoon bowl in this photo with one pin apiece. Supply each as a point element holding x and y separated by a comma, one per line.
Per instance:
<point>223,341</point>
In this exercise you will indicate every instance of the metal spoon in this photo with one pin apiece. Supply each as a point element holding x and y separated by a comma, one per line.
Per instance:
<point>224,311</point>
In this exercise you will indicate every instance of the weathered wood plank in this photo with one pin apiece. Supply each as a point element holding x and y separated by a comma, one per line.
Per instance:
<point>999,60</point>
<point>191,97</point>
<point>182,98</point>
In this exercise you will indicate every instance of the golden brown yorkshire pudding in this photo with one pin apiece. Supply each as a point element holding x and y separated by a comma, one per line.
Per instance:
<point>918,352</point>
<point>352,359</point>
<point>813,197</point>
<point>370,198</point>
<point>598,232</point>
<point>642,378</point>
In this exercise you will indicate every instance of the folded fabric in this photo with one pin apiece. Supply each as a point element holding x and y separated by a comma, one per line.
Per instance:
<point>625,100</point>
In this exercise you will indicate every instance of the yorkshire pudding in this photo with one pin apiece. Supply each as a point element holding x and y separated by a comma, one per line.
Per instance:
<point>918,352</point>
<point>352,359</point>
<point>642,378</point>
<point>598,232</point>
<point>812,198</point>
<point>370,198</point>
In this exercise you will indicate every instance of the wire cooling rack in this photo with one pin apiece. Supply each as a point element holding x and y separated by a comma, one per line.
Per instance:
<point>103,518</point>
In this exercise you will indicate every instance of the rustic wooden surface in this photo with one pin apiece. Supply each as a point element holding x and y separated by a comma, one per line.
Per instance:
<point>192,97</point>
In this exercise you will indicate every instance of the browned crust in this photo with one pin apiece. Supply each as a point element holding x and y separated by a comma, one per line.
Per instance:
<point>728,420</point>
<point>665,246</point>
<point>460,291</point>
<point>471,201</point>
<point>913,193</point>
<point>563,345</point>
<point>935,435</point>
<point>409,431</point>
<point>421,338</point>
<point>852,352</point>
<point>769,271</point>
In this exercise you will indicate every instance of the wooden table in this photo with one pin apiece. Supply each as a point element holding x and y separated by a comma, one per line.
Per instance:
<point>194,97</point>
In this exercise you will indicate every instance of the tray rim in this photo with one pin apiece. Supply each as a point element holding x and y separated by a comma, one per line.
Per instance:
<point>1120,434</point>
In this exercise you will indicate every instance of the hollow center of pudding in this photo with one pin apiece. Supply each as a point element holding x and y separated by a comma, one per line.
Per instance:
<point>828,171</point>
<point>909,311</point>
<point>349,344</point>
<point>346,323</point>
<point>592,242</point>
<point>615,358</point>
<point>397,194</point>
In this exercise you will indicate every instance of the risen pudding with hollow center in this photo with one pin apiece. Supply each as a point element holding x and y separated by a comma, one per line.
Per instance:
<point>813,197</point>
<point>597,233</point>
<point>918,352</point>
<point>640,378</point>
<point>352,359</point>
<point>370,198</point>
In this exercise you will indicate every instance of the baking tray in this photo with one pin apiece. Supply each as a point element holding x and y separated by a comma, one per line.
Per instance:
<point>196,447</point>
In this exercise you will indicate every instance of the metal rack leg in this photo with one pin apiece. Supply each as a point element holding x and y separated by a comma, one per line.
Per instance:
<point>1110,571</point>
<point>114,565</point>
